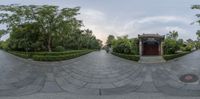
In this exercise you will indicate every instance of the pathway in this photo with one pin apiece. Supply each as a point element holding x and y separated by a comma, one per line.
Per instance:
<point>97,74</point>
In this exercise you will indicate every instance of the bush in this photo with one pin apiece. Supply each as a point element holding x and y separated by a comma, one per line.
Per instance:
<point>23,55</point>
<point>172,56</point>
<point>58,57</point>
<point>57,53</point>
<point>51,56</point>
<point>170,46</point>
<point>59,49</point>
<point>126,56</point>
<point>125,45</point>
<point>4,45</point>
<point>1,44</point>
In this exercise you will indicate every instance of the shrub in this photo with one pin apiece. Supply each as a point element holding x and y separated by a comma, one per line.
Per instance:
<point>172,56</point>
<point>51,56</point>
<point>170,46</point>
<point>57,53</point>
<point>23,55</point>
<point>59,57</point>
<point>4,45</point>
<point>125,45</point>
<point>59,49</point>
<point>126,56</point>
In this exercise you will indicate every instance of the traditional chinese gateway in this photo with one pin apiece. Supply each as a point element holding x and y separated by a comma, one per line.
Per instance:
<point>151,44</point>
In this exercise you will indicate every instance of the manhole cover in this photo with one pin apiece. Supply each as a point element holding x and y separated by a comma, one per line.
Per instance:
<point>189,78</point>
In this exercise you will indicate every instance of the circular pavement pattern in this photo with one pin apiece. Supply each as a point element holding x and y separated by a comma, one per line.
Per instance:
<point>189,78</point>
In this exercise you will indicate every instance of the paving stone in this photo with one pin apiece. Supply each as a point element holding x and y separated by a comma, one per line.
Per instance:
<point>97,73</point>
<point>51,87</point>
<point>122,82</point>
<point>99,85</point>
<point>147,87</point>
<point>50,77</point>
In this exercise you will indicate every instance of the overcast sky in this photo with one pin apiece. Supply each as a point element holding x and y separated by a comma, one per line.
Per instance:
<point>130,17</point>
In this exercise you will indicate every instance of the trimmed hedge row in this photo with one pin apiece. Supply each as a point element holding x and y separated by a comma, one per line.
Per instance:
<point>129,57</point>
<point>51,56</point>
<point>23,55</point>
<point>30,54</point>
<point>172,56</point>
<point>57,53</point>
<point>58,57</point>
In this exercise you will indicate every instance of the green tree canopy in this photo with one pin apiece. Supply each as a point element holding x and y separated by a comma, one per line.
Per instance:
<point>197,7</point>
<point>125,45</point>
<point>2,32</point>
<point>172,35</point>
<point>45,27</point>
<point>171,45</point>
<point>109,40</point>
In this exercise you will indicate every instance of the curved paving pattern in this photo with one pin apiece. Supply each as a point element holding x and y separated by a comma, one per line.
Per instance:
<point>97,73</point>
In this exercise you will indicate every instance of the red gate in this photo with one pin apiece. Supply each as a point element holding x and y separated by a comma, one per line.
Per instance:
<point>150,49</point>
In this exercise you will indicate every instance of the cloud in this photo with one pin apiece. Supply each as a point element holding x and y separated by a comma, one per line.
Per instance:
<point>164,19</point>
<point>98,22</point>
<point>183,33</point>
<point>102,25</point>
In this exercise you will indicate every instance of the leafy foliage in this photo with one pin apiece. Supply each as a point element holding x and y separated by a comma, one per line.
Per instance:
<point>59,49</point>
<point>110,40</point>
<point>197,7</point>
<point>45,27</point>
<point>125,45</point>
<point>51,56</point>
<point>58,57</point>
<point>172,56</point>
<point>129,57</point>
<point>170,46</point>
<point>172,35</point>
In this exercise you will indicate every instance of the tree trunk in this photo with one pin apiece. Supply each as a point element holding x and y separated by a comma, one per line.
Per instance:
<point>49,44</point>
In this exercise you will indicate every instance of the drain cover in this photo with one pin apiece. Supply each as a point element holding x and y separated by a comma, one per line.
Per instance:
<point>189,78</point>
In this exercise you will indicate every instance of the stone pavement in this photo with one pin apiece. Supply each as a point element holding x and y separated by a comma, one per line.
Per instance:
<point>97,75</point>
<point>151,59</point>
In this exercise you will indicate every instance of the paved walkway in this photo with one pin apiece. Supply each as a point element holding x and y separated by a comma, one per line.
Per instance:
<point>98,75</point>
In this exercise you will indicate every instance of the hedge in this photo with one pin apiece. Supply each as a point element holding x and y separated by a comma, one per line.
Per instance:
<point>51,56</point>
<point>172,56</point>
<point>58,57</point>
<point>23,55</point>
<point>57,53</point>
<point>129,57</point>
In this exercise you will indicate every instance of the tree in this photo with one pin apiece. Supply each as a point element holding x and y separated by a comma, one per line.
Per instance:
<point>180,42</point>
<point>171,45</point>
<point>172,35</point>
<point>125,46</point>
<point>2,32</point>
<point>197,7</point>
<point>45,28</point>
<point>198,35</point>
<point>109,40</point>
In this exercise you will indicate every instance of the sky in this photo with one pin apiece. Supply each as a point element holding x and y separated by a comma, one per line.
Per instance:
<point>129,17</point>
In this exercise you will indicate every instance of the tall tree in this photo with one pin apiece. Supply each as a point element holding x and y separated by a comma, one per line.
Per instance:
<point>2,32</point>
<point>198,35</point>
<point>172,35</point>
<point>197,7</point>
<point>53,23</point>
<point>109,40</point>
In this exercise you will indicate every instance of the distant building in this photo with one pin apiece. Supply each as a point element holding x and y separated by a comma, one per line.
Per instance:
<point>151,44</point>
